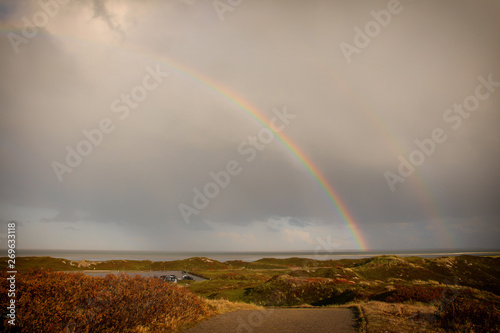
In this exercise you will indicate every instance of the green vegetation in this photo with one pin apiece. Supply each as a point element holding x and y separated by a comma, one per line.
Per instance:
<point>25,263</point>
<point>58,264</point>
<point>412,293</point>
<point>446,293</point>
<point>285,290</point>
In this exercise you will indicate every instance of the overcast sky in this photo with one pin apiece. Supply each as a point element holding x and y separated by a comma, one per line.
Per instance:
<point>114,114</point>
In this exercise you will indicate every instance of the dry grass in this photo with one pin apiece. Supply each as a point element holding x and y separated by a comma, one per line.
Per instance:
<point>221,306</point>
<point>216,307</point>
<point>396,318</point>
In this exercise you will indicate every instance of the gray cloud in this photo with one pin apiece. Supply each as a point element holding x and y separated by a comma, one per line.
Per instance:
<point>101,12</point>
<point>352,122</point>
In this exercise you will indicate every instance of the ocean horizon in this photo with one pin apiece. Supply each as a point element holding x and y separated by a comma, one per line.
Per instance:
<point>97,255</point>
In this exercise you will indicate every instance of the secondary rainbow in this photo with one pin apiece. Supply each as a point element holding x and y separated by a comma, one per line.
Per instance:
<point>423,194</point>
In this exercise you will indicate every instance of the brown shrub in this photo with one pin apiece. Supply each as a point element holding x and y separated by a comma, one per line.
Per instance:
<point>416,293</point>
<point>469,315</point>
<point>48,301</point>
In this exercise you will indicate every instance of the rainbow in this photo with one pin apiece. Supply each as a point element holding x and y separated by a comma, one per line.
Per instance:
<point>256,114</point>
<point>418,184</point>
<point>252,111</point>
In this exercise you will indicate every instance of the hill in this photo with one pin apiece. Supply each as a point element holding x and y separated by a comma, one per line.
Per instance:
<point>446,293</point>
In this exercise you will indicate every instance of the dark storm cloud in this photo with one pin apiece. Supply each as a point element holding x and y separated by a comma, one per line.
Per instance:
<point>351,120</point>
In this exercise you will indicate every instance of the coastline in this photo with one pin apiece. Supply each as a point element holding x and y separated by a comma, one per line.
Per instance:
<point>76,255</point>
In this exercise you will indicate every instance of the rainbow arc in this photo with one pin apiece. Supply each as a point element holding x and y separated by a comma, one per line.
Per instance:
<point>245,106</point>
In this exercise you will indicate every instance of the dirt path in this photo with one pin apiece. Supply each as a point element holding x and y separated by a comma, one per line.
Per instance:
<point>280,320</point>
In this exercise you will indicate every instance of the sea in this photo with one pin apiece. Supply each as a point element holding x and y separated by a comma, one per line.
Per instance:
<point>97,255</point>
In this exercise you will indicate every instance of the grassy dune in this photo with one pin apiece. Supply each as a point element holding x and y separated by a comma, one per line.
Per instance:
<point>434,295</point>
<point>58,264</point>
<point>393,293</point>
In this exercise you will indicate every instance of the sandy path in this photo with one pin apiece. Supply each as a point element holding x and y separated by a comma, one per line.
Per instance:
<point>303,320</point>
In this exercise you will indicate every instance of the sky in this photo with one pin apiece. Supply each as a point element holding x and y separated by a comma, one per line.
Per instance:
<point>190,125</point>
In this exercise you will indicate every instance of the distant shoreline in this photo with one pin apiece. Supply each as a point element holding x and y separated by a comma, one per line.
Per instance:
<point>244,256</point>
